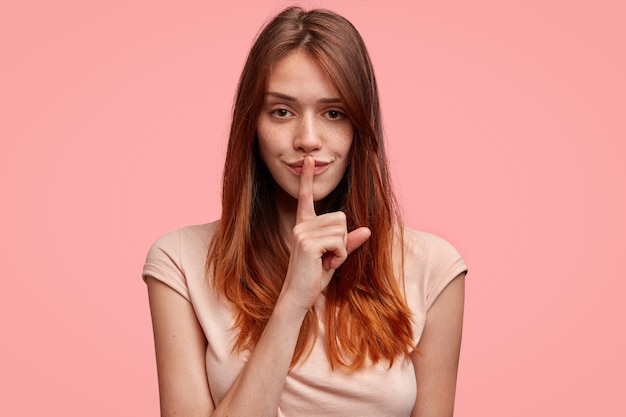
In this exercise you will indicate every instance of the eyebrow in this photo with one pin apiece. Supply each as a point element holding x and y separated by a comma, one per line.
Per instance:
<point>286,97</point>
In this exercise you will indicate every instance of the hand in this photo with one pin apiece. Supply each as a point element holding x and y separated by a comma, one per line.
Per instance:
<point>320,245</point>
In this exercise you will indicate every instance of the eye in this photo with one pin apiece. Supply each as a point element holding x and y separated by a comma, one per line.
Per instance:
<point>335,114</point>
<point>281,113</point>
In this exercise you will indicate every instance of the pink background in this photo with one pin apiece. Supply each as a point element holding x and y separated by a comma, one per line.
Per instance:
<point>506,129</point>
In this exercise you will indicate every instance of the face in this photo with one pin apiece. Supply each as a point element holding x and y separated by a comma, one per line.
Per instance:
<point>302,115</point>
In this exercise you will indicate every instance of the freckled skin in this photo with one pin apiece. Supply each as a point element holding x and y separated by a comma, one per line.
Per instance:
<point>303,115</point>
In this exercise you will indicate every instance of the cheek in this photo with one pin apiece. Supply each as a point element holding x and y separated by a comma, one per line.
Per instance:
<point>265,141</point>
<point>344,141</point>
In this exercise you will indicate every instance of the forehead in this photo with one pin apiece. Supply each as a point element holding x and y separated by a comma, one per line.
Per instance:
<point>299,75</point>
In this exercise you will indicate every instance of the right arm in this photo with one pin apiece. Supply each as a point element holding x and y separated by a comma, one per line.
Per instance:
<point>180,347</point>
<point>320,245</point>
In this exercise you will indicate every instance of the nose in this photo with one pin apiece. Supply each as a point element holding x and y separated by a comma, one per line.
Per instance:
<point>308,136</point>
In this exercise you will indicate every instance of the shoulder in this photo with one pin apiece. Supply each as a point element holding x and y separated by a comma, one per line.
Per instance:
<point>427,248</point>
<point>430,263</point>
<point>195,236</point>
<point>179,255</point>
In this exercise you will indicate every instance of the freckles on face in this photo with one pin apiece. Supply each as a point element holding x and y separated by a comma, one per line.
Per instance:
<point>303,115</point>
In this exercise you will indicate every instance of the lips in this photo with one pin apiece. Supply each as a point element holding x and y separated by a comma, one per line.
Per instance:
<point>320,166</point>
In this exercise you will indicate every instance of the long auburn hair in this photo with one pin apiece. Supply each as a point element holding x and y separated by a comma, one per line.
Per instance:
<point>366,315</point>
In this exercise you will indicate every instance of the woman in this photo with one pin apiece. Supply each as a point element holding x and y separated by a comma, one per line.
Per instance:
<point>307,297</point>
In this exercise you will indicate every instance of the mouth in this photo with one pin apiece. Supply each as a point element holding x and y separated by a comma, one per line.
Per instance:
<point>320,166</point>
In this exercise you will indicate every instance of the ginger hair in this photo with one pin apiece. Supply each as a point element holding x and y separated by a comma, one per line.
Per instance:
<point>366,315</point>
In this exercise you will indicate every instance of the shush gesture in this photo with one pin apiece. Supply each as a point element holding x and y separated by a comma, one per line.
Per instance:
<point>319,245</point>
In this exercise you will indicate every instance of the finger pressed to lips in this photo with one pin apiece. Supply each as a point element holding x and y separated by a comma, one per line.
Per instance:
<point>306,204</point>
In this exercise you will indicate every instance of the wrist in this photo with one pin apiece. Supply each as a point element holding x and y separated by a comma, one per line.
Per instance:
<point>287,309</point>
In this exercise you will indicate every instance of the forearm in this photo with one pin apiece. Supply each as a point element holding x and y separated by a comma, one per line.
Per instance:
<point>257,390</point>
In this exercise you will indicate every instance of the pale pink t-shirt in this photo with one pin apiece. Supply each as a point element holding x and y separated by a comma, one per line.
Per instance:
<point>311,389</point>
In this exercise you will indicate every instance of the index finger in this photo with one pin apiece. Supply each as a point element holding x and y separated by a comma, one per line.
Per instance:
<point>306,207</point>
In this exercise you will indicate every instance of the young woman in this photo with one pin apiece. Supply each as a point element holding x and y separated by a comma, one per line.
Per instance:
<point>308,297</point>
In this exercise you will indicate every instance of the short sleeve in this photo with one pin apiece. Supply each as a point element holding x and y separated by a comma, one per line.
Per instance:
<point>163,263</point>
<point>446,263</point>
